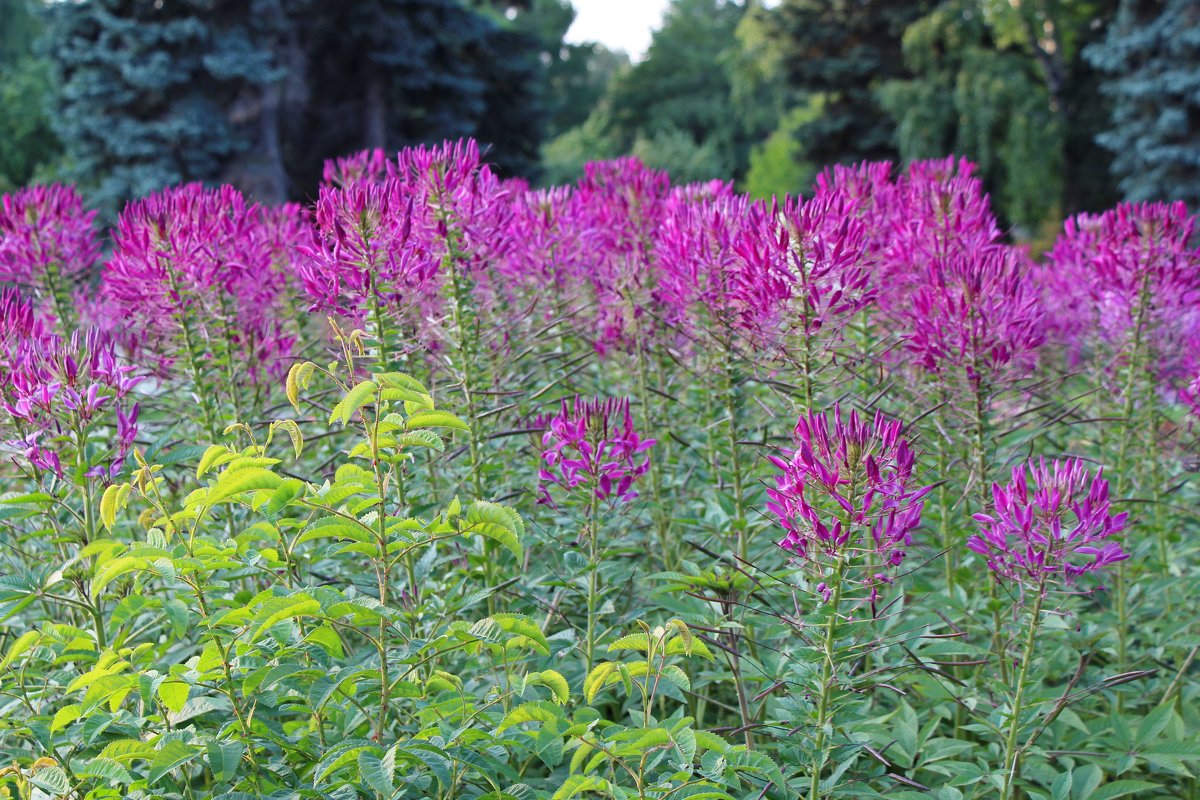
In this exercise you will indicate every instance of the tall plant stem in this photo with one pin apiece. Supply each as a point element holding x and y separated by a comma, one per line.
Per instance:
<point>824,710</point>
<point>1128,434</point>
<point>661,521</point>
<point>593,590</point>
<point>739,501</point>
<point>1012,754</point>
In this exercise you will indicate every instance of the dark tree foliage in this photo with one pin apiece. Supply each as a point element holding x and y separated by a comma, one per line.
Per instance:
<point>1152,58</point>
<point>843,51</point>
<point>154,93</point>
<point>26,140</point>
<point>259,93</point>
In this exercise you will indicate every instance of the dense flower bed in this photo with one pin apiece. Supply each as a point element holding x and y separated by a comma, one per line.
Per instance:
<point>449,487</point>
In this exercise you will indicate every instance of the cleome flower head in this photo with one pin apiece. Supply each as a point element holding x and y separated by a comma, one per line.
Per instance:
<point>47,243</point>
<point>847,489</point>
<point>54,389</point>
<point>591,446</point>
<point>1051,521</point>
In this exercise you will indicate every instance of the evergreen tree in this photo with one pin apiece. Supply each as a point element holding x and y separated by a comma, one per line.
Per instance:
<point>149,89</point>
<point>1152,55</point>
<point>260,92</point>
<point>838,53</point>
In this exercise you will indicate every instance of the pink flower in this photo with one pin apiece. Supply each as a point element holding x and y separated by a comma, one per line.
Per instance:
<point>53,389</point>
<point>847,489</point>
<point>200,264</point>
<point>592,445</point>
<point>1060,526</point>
<point>1107,269</point>
<point>47,242</point>
<point>977,312</point>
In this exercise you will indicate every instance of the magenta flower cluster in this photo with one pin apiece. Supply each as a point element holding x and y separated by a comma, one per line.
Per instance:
<point>203,268</point>
<point>59,393</point>
<point>1051,521</point>
<point>1134,269</point>
<point>47,243</point>
<point>847,489</point>
<point>591,446</point>
<point>392,237</point>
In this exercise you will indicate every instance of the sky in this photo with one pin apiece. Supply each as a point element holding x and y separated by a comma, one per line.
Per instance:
<point>618,24</point>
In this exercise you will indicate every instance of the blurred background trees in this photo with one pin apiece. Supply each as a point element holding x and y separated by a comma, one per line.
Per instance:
<point>1066,105</point>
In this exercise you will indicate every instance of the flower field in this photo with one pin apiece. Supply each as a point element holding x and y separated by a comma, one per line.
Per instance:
<point>446,487</point>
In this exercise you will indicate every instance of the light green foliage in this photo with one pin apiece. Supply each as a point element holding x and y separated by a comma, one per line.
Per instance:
<point>778,166</point>
<point>695,105</point>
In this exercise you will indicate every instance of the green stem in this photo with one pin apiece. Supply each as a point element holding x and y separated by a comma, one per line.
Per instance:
<point>824,712</point>
<point>593,594</point>
<point>661,520</point>
<point>731,410</point>
<point>1012,753</point>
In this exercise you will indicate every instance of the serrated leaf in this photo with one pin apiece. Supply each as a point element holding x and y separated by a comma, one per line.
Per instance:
<point>51,780</point>
<point>174,695</point>
<point>523,627</point>
<point>1121,788</point>
<point>210,457</point>
<point>554,681</point>
<point>277,609</point>
<point>224,759</point>
<point>428,418</point>
<point>106,770</point>
<point>239,481</point>
<point>536,711</point>
<point>422,438</point>
<point>172,755</point>
<point>373,771</point>
<point>355,399</point>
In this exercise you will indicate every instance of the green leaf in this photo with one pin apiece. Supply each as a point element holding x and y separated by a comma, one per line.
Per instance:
<point>421,438</point>
<point>106,769</point>
<point>355,399</point>
<point>224,759</point>
<point>598,678</point>
<point>174,695</point>
<point>277,609</point>
<point>173,754</point>
<point>576,785</point>
<point>210,457</point>
<point>496,522</point>
<point>434,419</point>
<point>240,481</point>
<point>64,717</point>
<point>536,711</point>
<point>524,628</point>
<point>51,780</point>
<point>633,641</point>
<point>1120,789</point>
<point>377,775</point>
<point>1153,724</point>
<point>677,676</point>
<point>554,681</point>
<point>20,647</point>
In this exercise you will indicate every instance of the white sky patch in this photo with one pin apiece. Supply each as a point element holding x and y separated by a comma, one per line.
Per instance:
<point>617,24</point>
